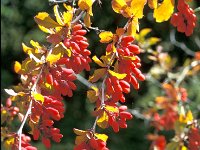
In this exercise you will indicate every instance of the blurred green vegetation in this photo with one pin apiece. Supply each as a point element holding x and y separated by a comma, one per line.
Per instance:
<point>17,26</point>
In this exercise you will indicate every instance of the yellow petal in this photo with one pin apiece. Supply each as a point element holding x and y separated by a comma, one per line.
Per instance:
<point>137,7</point>
<point>164,11</point>
<point>17,67</point>
<point>57,15</point>
<point>97,61</point>
<point>103,137</point>
<point>98,73</point>
<point>43,19</point>
<point>118,75</point>
<point>106,36</point>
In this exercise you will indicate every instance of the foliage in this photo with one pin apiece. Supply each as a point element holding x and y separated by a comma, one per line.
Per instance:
<point>48,74</point>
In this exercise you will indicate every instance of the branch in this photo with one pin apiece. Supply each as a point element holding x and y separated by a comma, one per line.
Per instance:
<point>197,9</point>
<point>84,81</point>
<point>185,71</point>
<point>19,132</point>
<point>78,17</point>
<point>180,44</point>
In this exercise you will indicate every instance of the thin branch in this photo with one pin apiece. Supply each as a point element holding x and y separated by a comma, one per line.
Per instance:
<point>185,71</point>
<point>19,132</point>
<point>180,44</point>
<point>197,9</point>
<point>94,125</point>
<point>78,17</point>
<point>84,81</point>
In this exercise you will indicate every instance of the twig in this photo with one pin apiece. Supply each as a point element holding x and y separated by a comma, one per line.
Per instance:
<point>96,29</point>
<point>94,125</point>
<point>180,44</point>
<point>197,9</point>
<point>78,17</point>
<point>185,71</point>
<point>84,81</point>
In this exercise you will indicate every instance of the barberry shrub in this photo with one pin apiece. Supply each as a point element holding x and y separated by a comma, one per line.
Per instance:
<point>48,75</point>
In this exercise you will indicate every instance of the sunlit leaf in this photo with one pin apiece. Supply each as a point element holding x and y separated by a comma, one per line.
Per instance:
<point>97,61</point>
<point>92,96</point>
<point>117,5</point>
<point>36,45</point>
<point>144,32</point>
<point>172,146</point>
<point>153,4</point>
<point>38,97</point>
<point>188,118</point>
<point>106,37</point>
<point>54,38</point>
<point>27,49</point>
<point>68,7</point>
<point>87,21</point>
<point>118,75</point>
<point>43,19</point>
<point>67,16</point>
<point>129,57</point>
<point>153,40</point>
<point>98,73</point>
<point>112,109</point>
<point>10,92</point>
<point>103,137</point>
<point>79,132</point>
<point>57,15</point>
<point>164,11</point>
<point>84,4</point>
<point>137,7</point>
<point>56,54</point>
<point>45,29</point>
<point>133,27</point>
<point>80,139</point>
<point>17,67</point>
<point>103,120</point>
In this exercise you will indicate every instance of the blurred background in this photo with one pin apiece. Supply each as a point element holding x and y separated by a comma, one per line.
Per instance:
<point>17,26</point>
